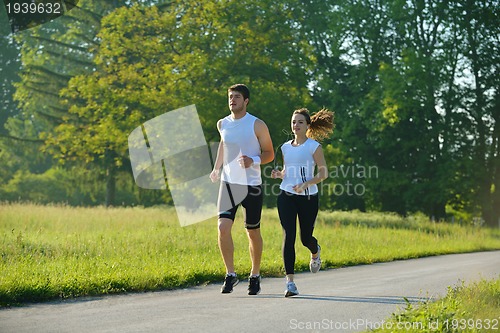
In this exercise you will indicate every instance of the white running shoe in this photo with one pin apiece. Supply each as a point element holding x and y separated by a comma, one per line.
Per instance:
<point>315,264</point>
<point>291,289</point>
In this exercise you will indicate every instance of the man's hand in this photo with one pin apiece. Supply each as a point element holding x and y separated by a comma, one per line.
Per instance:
<point>245,161</point>
<point>214,175</point>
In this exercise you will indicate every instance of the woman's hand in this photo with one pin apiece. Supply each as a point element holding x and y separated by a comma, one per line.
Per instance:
<point>276,174</point>
<point>299,188</point>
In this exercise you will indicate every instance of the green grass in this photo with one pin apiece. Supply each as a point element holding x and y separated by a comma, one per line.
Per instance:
<point>57,252</point>
<point>472,308</point>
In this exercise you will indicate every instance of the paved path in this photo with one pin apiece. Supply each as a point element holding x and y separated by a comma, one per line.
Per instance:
<point>341,300</point>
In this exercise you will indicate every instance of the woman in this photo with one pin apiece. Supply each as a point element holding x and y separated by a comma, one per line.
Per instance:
<point>298,190</point>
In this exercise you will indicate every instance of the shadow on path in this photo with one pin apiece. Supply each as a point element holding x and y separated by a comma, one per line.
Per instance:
<point>353,299</point>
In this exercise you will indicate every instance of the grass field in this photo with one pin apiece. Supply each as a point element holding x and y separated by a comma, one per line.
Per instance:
<point>50,252</point>
<point>465,308</point>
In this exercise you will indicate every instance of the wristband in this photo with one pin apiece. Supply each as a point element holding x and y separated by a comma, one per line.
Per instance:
<point>256,159</point>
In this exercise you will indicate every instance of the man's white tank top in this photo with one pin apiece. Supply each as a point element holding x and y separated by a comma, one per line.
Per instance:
<point>238,136</point>
<point>299,166</point>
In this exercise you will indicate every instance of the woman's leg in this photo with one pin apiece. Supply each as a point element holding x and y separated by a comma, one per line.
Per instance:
<point>288,218</point>
<point>307,212</point>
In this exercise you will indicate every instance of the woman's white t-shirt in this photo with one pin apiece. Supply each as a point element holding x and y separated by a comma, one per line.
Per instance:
<point>299,166</point>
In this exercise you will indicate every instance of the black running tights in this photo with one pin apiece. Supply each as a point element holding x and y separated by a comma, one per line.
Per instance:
<point>305,207</point>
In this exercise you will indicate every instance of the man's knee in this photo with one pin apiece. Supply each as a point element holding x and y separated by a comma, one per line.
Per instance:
<point>225,226</point>
<point>254,234</point>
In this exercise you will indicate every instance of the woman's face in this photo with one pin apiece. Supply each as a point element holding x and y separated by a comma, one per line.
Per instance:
<point>299,124</point>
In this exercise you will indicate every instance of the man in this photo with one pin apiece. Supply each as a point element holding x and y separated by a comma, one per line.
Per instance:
<point>245,144</point>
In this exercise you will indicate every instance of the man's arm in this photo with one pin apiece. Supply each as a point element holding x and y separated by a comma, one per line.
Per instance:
<point>219,158</point>
<point>266,146</point>
<point>215,174</point>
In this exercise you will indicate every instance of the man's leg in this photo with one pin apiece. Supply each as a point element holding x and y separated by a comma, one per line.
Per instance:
<point>253,210</point>
<point>255,245</point>
<point>227,251</point>
<point>226,245</point>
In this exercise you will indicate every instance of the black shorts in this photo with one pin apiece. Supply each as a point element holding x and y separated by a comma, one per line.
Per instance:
<point>250,197</point>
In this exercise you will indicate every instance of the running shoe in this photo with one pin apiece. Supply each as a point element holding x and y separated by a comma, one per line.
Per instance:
<point>229,282</point>
<point>254,285</point>
<point>291,289</point>
<point>315,263</point>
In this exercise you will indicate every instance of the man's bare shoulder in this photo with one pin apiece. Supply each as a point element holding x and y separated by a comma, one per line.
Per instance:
<point>260,125</point>
<point>219,124</point>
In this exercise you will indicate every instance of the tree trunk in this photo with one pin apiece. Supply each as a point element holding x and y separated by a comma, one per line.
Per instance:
<point>110,185</point>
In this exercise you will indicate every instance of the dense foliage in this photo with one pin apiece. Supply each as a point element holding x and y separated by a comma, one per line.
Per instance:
<point>413,84</point>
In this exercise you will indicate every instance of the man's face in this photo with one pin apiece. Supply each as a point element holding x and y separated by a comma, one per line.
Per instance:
<point>236,101</point>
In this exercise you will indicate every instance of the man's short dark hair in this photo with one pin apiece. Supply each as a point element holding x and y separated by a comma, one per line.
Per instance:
<point>241,88</point>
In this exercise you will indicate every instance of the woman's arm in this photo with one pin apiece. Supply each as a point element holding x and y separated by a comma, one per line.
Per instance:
<point>279,173</point>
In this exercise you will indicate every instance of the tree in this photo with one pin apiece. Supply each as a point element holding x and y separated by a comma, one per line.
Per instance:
<point>478,22</point>
<point>396,75</point>
<point>51,54</point>
<point>151,61</point>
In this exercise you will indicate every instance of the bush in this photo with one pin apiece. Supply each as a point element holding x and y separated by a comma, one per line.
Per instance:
<point>43,188</point>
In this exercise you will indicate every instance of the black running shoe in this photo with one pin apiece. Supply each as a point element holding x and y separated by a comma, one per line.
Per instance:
<point>254,285</point>
<point>229,282</point>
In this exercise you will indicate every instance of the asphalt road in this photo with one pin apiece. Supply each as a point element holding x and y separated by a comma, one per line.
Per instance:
<point>341,300</point>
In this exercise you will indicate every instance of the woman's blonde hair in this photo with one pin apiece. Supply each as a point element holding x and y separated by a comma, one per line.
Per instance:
<point>320,124</point>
